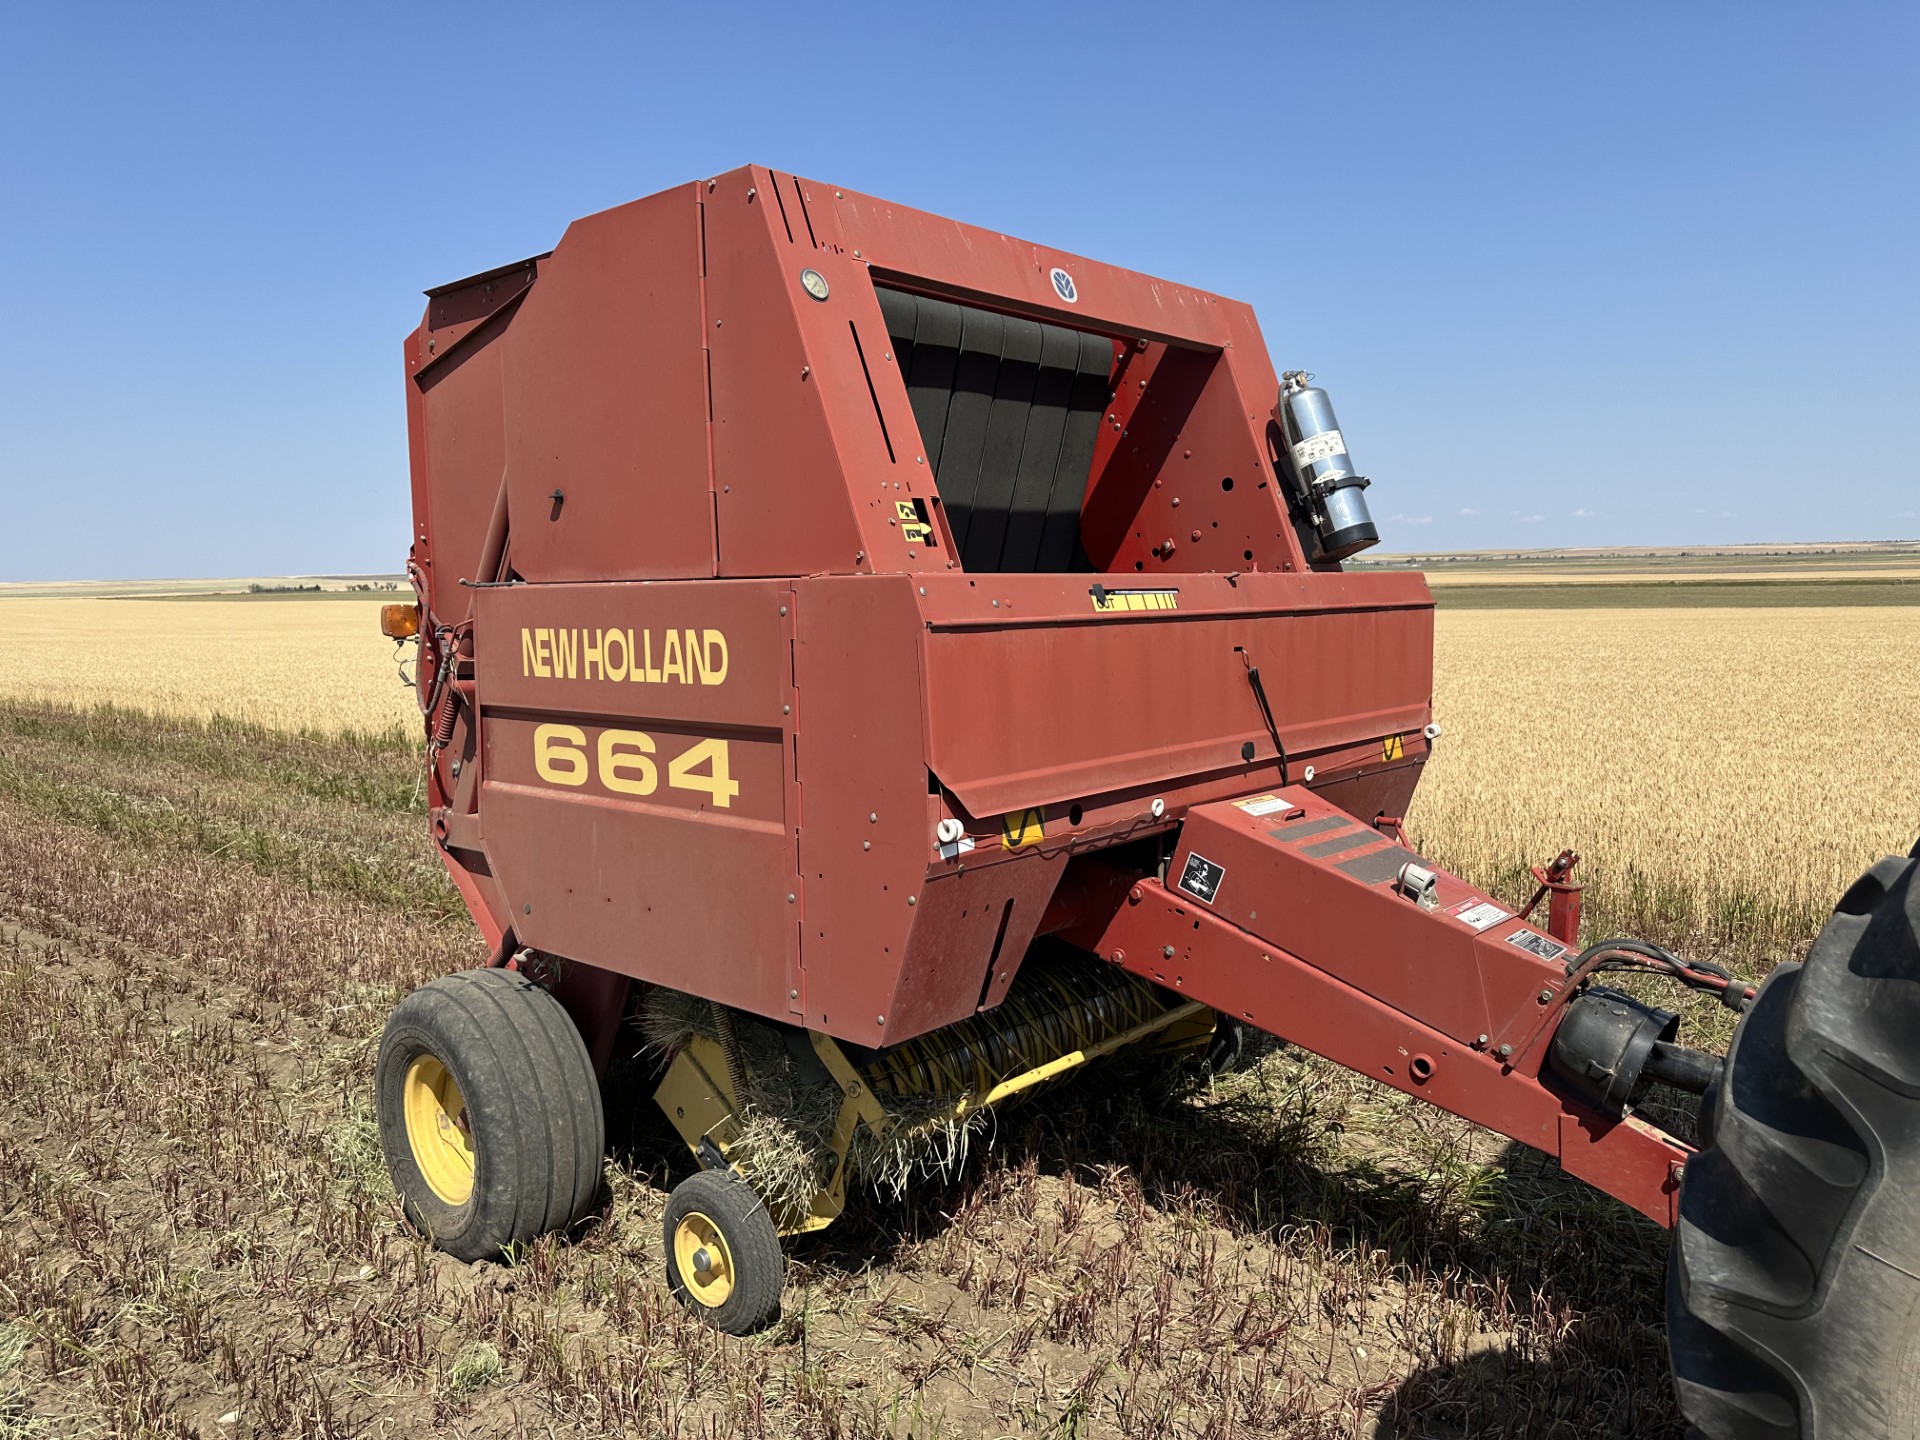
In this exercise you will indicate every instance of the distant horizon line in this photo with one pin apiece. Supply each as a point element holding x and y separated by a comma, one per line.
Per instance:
<point>1758,547</point>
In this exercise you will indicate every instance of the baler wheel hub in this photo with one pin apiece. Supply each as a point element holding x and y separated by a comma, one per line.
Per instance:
<point>438,1130</point>
<point>706,1264</point>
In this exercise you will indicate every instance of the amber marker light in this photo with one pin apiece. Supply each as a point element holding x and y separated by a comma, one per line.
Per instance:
<point>400,622</point>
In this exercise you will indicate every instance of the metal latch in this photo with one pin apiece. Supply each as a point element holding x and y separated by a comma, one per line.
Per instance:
<point>1419,885</point>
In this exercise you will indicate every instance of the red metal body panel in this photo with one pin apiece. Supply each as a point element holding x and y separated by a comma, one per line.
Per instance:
<point>670,886</point>
<point>1035,697</point>
<point>896,942</point>
<point>806,399</point>
<point>604,397</point>
<point>464,441</point>
<point>1317,882</point>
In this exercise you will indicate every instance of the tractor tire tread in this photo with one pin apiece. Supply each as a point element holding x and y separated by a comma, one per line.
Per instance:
<point>1793,1294</point>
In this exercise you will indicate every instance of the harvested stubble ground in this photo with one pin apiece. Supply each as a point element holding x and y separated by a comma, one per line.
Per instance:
<point>202,928</point>
<point>203,932</point>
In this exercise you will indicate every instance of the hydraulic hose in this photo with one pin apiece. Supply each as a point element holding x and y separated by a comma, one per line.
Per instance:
<point>1682,1067</point>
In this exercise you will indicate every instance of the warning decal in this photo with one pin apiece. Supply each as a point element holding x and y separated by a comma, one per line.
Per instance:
<point>1262,804</point>
<point>1105,599</point>
<point>1201,878</point>
<point>913,524</point>
<point>1020,829</point>
<point>1315,448</point>
<point>1392,748</point>
<point>1480,914</point>
<point>1538,944</point>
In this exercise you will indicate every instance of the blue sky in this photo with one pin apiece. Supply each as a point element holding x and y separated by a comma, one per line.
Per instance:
<point>1573,274</point>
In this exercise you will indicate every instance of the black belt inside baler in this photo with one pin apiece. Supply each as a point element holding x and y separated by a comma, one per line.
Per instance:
<point>1008,409</point>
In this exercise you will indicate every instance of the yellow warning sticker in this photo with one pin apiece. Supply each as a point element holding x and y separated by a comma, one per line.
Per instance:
<point>1021,828</point>
<point>1263,804</point>
<point>1393,748</point>
<point>1109,600</point>
<point>917,531</point>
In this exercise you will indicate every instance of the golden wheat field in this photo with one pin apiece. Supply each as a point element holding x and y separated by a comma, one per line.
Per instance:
<point>1723,771</point>
<point>321,664</point>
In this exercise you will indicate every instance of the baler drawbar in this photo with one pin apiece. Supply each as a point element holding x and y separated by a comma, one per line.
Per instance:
<point>886,666</point>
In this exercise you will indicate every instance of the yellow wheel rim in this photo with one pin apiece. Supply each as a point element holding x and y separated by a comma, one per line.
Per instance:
<point>438,1130</point>
<point>704,1261</point>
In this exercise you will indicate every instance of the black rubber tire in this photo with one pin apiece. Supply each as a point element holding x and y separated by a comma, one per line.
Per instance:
<point>532,1110</point>
<point>1793,1291</point>
<point>759,1267</point>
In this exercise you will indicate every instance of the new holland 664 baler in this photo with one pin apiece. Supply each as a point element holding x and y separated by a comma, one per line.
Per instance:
<point>895,665</point>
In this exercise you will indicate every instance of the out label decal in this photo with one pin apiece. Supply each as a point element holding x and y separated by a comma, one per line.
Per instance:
<point>1535,943</point>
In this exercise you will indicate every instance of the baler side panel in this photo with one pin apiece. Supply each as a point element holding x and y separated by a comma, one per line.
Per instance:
<point>805,481</point>
<point>1183,482</point>
<point>1183,457</point>
<point>635,800</point>
<point>464,442</point>
<point>966,262</point>
<point>1034,697</point>
<point>971,930</point>
<point>413,352</point>
<point>896,941</point>
<point>864,834</point>
<point>604,390</point>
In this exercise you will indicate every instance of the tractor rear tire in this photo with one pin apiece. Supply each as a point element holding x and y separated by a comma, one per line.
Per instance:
<point>490,1113</point>
<point>1793,1289</point>
<point>723,1252</point>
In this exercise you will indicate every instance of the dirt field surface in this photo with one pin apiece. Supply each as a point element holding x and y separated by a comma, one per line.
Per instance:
<point>204,925</point>
<point>201,932</point>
